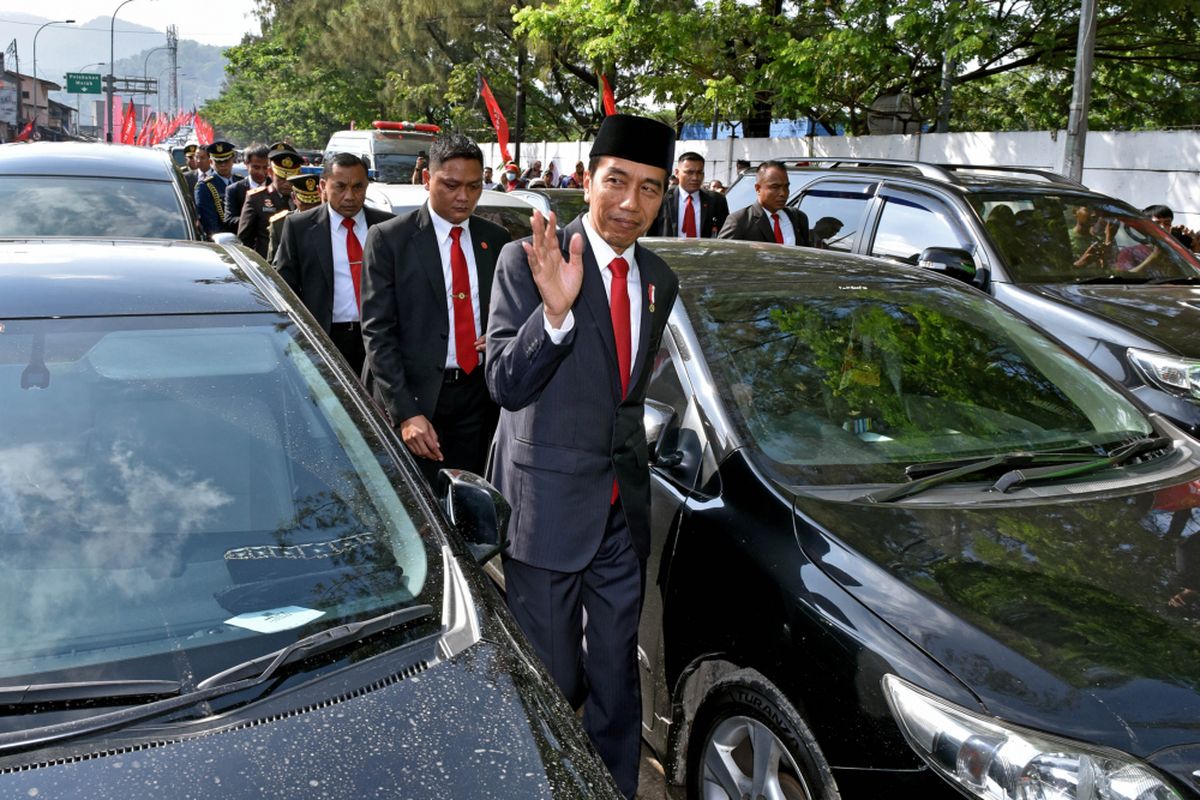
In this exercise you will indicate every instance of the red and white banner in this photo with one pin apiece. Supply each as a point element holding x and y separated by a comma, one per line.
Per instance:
<point>606,93</point>
<point>497,117</point>
<point>129,125</point>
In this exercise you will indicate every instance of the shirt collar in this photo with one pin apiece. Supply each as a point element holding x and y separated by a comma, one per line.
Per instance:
<point>335,219</point>
<point>601,249</point>
<point>441,225</point>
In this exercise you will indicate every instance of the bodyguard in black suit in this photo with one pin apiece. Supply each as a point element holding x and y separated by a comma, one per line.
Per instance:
<point>770,219</point>
<point>425,304</point>
<point>577,318</point>
<point>257,167</point>
<point>708,209</point>
<point>315,249</point>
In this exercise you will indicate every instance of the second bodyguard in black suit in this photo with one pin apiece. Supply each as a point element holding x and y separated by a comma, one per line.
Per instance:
<point>320,255</point>
<point>425,304</point>
<point>770,219</point>
<point>688,211</point>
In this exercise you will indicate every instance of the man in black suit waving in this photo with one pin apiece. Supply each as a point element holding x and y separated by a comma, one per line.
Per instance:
<point>577,318</point>
<point>689,211</point>
<point>770,219</point>
<point>425,305</point>
<point>320,253</point>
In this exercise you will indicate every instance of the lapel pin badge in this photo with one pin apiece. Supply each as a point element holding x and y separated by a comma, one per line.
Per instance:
<point>650,292</point>
<point>483,245</point>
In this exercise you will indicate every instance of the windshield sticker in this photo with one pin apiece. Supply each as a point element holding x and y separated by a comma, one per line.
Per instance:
<point>275,619</point>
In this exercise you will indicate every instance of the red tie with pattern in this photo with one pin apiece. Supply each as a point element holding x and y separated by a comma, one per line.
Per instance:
<point>619,308</point>
<point>689,219</point>
<point>464,314</point>
<point>354,254</point>
<point>778,232</point>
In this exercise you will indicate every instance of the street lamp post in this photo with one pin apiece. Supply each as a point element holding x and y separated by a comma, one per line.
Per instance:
<point>146,76</point>
<point>112,78</point>
<point>35,77</point>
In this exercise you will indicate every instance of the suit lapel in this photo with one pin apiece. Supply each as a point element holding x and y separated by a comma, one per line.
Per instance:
<point>648,275</point>
<point>593,301</point>
<point>322,244</point>
<point>764,223</point>
<point>485,267</point>
<point>429,257</point>
<point>672,228</point>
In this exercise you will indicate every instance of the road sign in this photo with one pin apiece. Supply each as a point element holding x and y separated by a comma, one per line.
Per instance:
<point>83,83</point>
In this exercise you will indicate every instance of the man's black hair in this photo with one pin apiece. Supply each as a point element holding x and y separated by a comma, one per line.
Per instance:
<point>454,145</point>
<point>1159,211</point>
<point>256,151</point>
<point>690,155</point>
<point>766,165</point>
<point>342,160</point>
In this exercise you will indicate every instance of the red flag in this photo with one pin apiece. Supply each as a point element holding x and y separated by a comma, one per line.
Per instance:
<point>606,92</point>
<point>118,114</point>
<point>25,133</point>
<point>129,125</point>
<point>143,138</point>
<point>498,120</point>
<point>204,131</point>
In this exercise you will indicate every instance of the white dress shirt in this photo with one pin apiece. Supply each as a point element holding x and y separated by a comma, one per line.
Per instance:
<point>683,196</point>
<point>345,308</point>
<point>633,281</point>
<point>785,226</point>
<point>441,230</point>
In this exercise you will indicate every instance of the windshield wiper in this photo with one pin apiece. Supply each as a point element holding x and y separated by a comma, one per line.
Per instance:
<point>1065,464</point>
<point>63,695</point>
<point>224,682</point>
<point>1109,279</point>
<point>1114,458</point>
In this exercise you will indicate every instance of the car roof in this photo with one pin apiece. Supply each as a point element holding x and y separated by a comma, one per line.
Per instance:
<point>85,159</point>
<point>730,264</point>
<point>96,278</point>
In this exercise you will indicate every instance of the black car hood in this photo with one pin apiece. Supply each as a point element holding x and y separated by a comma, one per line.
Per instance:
<point>1057,615</point>
<point>460,728</point>
<point>1168,315</point>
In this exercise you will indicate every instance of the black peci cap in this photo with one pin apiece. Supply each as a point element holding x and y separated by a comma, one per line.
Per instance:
<point>639,139</point>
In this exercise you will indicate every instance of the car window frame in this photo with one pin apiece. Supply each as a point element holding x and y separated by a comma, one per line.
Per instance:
<point>889,191</point>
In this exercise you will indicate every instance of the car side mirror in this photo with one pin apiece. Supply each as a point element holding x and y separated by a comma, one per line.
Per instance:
<point>225,237</point>
<point>477,511</point>
<point>657,417</point>
<point>951,261</point>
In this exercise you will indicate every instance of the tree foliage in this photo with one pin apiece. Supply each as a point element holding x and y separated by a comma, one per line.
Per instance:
<point>322,64</point>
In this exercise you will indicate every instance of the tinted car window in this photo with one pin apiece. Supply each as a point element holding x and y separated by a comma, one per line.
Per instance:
<point>394,167</point>
<point>845,384</point>
<point>51,205</point>
<point>186,493</point>
<point>1067,238</point>
<point>835,212</point>
<point>908,224</point>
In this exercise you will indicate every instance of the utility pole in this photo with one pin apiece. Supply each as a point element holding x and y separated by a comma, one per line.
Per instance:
<point>1081,92</point>
<point>173,44</point>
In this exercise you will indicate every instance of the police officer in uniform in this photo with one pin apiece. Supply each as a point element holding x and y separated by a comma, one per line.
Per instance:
<point>256,157</point>
<point>265,201</point>
<point>191,173</point>
<point>306,194</point>
<point>210,190</point>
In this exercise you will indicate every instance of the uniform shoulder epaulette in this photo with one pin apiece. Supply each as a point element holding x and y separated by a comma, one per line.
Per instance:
<point>258,189</point>
<point>206,178</point>
<point>280,214</point>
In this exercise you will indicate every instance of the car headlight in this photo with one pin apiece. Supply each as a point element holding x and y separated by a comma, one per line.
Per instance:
<point>1169,373</point>
<point>997,761</point>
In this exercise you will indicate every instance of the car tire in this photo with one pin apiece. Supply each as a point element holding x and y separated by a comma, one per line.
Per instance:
<point>741,716</point>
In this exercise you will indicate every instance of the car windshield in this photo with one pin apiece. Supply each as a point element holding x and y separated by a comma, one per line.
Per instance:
<point>181,494</point>
<point>846,384</point>
<point>394,167</point>
<point>53,205</point>
<point>1047,238</point>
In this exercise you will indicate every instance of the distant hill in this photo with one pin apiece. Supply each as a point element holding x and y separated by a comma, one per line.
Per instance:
<point>79,48</point>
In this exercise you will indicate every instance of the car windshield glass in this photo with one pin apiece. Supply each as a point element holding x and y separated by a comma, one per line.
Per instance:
<point>515,220</point>
<point>52,205</point>
<point>1046,238</point>
<point>845,384</point>
<point>394,167</point>
<point>180,494</point>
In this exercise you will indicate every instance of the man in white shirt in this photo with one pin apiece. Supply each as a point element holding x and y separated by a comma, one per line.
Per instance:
<point>690,211</point>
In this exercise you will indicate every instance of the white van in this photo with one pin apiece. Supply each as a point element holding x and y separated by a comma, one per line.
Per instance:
<point>389,148</point>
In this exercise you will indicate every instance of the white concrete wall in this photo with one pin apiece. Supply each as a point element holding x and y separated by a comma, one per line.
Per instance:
<point>1140,168</point>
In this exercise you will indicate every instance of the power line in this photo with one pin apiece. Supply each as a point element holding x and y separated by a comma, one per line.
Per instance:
<point>84,28</point>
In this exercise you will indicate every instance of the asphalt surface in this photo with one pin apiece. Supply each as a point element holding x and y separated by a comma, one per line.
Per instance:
<point>652,784</point>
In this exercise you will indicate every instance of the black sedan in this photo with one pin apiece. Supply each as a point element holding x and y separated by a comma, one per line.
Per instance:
<point>88,189</point>
<point>905,545</point>
<point>219,573</point>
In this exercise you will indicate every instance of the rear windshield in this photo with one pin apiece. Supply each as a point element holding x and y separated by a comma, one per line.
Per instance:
<point>52,205</point>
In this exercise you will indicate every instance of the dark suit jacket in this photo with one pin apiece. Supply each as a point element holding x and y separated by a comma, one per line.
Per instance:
<point>304,258</point>
<point>753,224</point>
<point>406,326</point>
<point>235,198</point>
<point>565,430</point>
<point>714,208</point>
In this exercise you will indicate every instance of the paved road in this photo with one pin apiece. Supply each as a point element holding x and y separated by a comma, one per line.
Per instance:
<point>651,782</point>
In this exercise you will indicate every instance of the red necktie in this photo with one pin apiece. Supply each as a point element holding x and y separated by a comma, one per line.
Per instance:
<point>354,254</point>
<point>689,219</point>
<point>778,232</point>
<point>619,308</point>
<point>464,314</point>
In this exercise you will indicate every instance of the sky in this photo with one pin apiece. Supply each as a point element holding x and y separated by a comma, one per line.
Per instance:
<point>215,22</point>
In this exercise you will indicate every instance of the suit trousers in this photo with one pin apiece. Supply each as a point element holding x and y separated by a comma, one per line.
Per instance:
<point>584,627</point>
<point>464,421</point>
<point>347,337</point>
